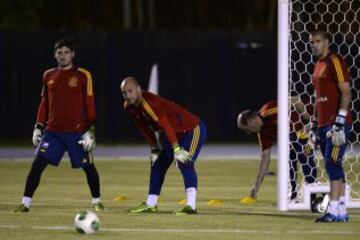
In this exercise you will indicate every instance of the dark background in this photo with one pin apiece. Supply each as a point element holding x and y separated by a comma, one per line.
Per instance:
<point>215,57</point>
<point>214,75</point>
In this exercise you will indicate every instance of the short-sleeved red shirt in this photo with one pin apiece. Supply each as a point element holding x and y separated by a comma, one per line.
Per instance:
<point>328,72</point>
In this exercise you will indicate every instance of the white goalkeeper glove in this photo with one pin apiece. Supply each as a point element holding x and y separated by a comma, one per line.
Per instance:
<point>37,134</point>
<point>182,155</point>
<point>87,140</point>
<point>314,135</point>
<point>337,133</point>
<point>154,155</point>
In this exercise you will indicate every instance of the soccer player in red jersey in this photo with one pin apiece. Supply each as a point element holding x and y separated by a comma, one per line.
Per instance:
<point>264,123</point>
<point>181,136</point>
<point>65,122</point>
<point>332,120</point>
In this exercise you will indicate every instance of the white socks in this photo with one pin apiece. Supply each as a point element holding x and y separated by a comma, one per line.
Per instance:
<point>26,201</point>
<point>342,206</point>
<point>152,200</point>
<point>338,208</point>
<point>95,201</point>
<point>333,208</point>
<point>191,197</point>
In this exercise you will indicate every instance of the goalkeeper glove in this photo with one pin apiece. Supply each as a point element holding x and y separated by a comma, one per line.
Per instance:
<point>181,155</point>
<point>87,140</point>
<point>154,155</point>
<point>314,135</point>
<point>337,132</point>
<point>37,134</point>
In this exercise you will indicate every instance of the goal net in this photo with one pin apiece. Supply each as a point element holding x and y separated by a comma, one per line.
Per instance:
<point>297,18</point>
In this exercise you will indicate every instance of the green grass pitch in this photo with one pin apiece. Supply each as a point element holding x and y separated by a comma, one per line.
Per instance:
<point>63,192</point>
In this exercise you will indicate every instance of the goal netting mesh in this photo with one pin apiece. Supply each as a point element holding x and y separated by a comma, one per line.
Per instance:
<point>341,19</point>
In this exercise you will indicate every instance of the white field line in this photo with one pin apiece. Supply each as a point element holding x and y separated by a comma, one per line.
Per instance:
<point>185,231</point>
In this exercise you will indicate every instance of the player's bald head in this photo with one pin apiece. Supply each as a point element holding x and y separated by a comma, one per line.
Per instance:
<point>131,90</point>
<point>249,121</point>
<point>129,81</point>
<point>244,116</point>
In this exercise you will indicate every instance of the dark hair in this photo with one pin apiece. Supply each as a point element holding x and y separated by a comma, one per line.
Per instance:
<point>246,115</point>
<point>321,33</point>
<point>64,43</point>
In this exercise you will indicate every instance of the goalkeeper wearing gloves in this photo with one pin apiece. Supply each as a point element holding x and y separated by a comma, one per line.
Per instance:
<point>65,122</point>
<point>332,120</point>
<point>181,136</point>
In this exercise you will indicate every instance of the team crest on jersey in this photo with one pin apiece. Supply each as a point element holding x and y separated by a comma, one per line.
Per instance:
<point>50,82</point>
<point>72,82</point>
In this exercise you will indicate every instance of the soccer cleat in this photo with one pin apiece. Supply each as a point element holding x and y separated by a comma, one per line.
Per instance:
<point>248,200</point>
<point>143,208</point>
<point>98,207</point>
<point>185,210</point>
<point>21,208</point>
<point>344,218</point>
<point>327,218</point>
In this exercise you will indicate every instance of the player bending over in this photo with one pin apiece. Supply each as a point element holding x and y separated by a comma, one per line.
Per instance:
<point>264,123</point>
<point>182,135</point>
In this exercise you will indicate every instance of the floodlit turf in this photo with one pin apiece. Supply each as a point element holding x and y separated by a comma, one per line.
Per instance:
<point>63,193</point>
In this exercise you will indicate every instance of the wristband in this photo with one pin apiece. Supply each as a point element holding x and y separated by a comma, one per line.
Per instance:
<point>341,117</point>
<point>343,112</point>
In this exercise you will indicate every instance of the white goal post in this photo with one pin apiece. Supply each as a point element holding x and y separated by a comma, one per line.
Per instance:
<point>296,19</point>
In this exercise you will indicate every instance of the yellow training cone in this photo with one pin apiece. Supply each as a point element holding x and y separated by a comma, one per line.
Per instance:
<point>120,198</point>
<point>215,202</point>
<point>182,202</point>
<point>248,200</point>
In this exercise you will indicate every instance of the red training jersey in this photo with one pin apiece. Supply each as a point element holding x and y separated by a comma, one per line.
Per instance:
<point>328,72</point>
<point>268,132</point>
<point>155,113</point>
<point>67,100</point>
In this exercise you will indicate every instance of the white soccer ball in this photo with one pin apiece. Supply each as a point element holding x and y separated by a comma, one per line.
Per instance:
<point>86,222</point>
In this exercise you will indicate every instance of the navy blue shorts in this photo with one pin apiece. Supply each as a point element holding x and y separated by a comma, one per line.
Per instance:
<point>54,144</point>
<point>191,141</point>
<point>328,150</point>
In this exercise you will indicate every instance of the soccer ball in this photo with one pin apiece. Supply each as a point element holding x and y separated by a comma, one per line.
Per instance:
<point>86,222</point>
<point>320,204</point>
